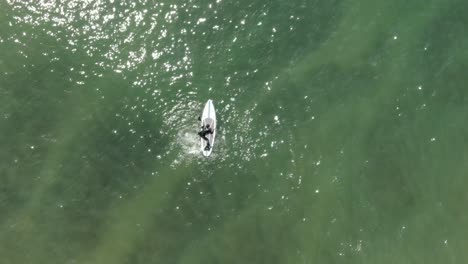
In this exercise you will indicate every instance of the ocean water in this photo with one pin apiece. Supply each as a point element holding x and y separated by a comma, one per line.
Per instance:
<point>342,131</point>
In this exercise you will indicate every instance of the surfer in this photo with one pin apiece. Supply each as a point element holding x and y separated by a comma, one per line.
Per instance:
<point>205,130</point>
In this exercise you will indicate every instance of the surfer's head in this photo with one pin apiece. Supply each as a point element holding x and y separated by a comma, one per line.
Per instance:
<point>207,125</point>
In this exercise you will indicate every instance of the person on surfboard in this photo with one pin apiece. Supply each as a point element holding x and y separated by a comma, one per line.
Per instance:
<point>205,130</point>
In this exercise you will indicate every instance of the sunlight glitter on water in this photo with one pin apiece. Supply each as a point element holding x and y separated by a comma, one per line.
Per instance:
<point>100,25</point>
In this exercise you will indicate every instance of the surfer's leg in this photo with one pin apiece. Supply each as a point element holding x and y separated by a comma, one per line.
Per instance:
<point>207,143</point>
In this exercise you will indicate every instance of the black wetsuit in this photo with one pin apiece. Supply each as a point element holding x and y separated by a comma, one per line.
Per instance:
<point>205,131</point>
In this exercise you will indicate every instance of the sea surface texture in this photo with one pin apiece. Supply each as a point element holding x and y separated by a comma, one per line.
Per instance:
<point>342,131</point>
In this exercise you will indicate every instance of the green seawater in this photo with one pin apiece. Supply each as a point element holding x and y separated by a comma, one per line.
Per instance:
<point>342,131</point>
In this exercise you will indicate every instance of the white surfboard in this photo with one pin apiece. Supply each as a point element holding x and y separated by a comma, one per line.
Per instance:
<point>208,117</point>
